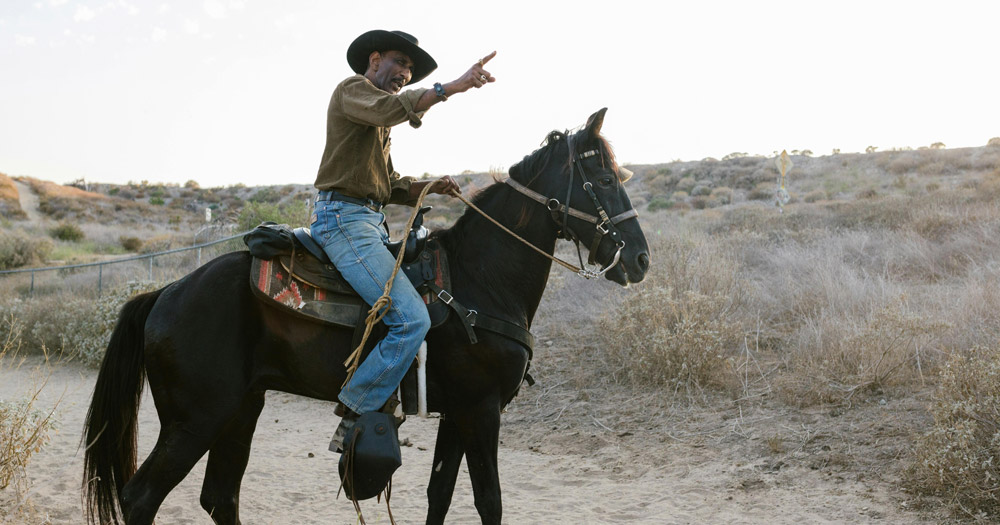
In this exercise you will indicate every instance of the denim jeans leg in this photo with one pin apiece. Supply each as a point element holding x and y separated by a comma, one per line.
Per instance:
<point>354,239</point>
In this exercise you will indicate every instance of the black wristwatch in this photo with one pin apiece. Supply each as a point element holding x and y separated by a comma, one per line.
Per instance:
<point>439,90</point>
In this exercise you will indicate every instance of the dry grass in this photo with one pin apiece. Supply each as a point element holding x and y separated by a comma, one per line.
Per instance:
<point>24,430</point>
<point>10,204</point>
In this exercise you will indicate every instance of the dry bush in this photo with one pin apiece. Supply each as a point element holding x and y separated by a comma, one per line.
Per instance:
<point>67,326</point>
<point>957,459</point>
<point>679,328</point>
<point>132,244</point>
<point>686,184</point>
<point>20,249</point>
<point>67,231</point>
<point>722,195</point>
<point>837,358</point>
<point>24,430</point>
<point>762,191</point>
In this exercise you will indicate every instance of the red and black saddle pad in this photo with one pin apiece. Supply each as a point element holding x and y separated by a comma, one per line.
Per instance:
<point>304,286</point>
<point>273,282</point>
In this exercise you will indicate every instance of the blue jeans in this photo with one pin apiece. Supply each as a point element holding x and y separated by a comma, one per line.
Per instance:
<point>354,238</point>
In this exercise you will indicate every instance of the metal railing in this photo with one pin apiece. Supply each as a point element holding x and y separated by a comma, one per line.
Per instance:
<point>148,261</point>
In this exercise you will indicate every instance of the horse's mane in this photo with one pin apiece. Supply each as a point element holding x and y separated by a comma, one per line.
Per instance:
<point>532,165</point>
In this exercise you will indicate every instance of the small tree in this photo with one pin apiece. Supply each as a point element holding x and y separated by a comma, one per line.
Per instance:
<point>871,149</point>
<point>937,145</point>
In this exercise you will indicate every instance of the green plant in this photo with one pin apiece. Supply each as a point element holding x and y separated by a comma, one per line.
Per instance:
<point>156,201</point>
<point>67,231</point>
<point>659,203</point>
<point>294,213</point>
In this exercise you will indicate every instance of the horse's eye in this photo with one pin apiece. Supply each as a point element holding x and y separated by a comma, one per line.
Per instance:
<point>607,182</point>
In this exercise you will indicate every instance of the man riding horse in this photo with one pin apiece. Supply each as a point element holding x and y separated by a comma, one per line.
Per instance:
<point>356,179</point>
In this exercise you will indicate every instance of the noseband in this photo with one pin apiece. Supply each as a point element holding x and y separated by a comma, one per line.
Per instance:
<point>560,212</point>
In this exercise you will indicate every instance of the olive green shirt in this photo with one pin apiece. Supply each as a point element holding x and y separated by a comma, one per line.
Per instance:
<point>356,159</point>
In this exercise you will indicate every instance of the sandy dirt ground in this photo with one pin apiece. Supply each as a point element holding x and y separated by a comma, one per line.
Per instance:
<point>562,460</point>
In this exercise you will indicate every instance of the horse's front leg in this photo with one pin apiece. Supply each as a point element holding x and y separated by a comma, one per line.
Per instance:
<point>479,428</point>
<point>448,454</point>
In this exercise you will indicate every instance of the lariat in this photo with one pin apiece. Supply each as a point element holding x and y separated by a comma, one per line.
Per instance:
<point>382,305</point>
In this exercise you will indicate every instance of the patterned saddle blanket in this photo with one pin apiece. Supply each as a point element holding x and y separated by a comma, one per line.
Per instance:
<point>306,287</point>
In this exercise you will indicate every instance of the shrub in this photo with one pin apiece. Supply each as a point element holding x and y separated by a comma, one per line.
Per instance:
<point>18,249</point>
<point>701,190</point>
<point>132,244</point>
<point>678,329</point>
<point>839,359</point>
<point>156,201</point>
<point>659,203</point>
<point>699,203</point>
<point>957,459</point>
<point>67,231</point>
<point>686,184</point>
<point>69,327</point>
<point>192,185</point>
<point>722,195</point>
<point>679,196</point>
<point>762,191</point>
<point>266,194</point>
<point>294,214</point>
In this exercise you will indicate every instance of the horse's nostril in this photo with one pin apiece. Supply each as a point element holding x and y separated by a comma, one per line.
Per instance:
<point>644,261</point>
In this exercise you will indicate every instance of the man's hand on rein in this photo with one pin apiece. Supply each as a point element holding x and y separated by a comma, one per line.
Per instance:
<point>445,186</point>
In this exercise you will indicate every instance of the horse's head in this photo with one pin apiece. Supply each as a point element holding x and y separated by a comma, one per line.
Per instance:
<point>587,199</point>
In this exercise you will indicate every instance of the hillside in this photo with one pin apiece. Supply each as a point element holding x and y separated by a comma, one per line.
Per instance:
<point>169,215</point>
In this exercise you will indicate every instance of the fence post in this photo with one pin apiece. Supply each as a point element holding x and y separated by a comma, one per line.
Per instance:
<point>100,279</point>
<point>199,254</point>
<point>31,291</point>
<point>150,267</point>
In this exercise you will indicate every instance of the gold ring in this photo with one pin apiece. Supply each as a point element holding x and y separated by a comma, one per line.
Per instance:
<point>480,62</point>
<point>482,77</point>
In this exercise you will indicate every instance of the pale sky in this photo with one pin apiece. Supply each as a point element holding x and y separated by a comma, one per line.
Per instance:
<point>227,92</point>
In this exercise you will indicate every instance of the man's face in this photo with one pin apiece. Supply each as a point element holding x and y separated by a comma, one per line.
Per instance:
<point>392,71</point>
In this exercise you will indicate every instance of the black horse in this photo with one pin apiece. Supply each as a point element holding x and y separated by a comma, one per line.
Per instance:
<point>210,349</point>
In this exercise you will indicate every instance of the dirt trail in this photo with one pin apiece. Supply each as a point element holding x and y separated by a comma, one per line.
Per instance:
<point>29,202</point>
<point>599,477</point>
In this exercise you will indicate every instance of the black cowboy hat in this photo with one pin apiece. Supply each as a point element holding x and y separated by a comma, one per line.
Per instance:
<point>380,40</point>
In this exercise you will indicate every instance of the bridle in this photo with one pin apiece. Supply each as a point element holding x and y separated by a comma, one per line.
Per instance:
<point>603,224</point>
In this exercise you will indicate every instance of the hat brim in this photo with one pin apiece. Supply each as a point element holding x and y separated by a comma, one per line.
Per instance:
<point>381,40</point>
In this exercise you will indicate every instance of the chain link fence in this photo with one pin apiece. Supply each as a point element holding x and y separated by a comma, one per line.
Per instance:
<point>94,278</point>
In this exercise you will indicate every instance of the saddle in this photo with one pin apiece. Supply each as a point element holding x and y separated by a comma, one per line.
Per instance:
<point>291,271</point>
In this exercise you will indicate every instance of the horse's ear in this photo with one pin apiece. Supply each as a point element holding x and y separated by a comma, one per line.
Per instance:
<point>595,122</point>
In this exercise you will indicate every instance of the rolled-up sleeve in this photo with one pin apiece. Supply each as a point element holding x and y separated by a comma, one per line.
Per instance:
<point>363,103</point>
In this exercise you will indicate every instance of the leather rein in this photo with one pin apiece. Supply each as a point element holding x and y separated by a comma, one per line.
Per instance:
<point>560,213</point>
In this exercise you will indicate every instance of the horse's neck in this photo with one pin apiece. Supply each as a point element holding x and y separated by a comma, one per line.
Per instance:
<point>502,274</point>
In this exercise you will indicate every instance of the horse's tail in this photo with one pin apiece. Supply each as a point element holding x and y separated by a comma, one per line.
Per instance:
<point>110,428</point>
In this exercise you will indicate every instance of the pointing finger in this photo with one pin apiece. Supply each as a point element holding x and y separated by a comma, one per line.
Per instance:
<point>487,58</point>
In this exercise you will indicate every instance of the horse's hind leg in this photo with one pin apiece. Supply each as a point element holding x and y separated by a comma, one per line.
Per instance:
<point>448,454</point>
<point>176,452</point>
<point>227,461</point>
